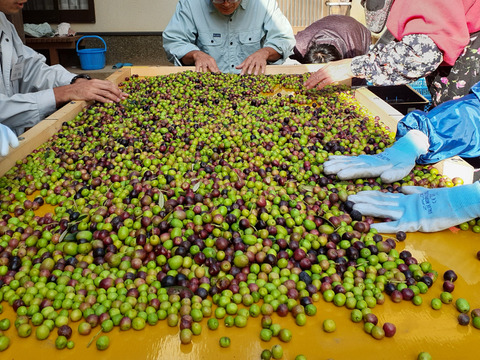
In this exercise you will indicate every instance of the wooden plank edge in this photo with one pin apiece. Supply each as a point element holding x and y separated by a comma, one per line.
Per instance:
<point>388,115</point>
<point>118,76</point>
<point>456,167</point>
<point>270,69</point>
<point>39,134</point>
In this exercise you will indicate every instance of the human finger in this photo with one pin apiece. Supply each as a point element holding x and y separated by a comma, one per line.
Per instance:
<point>394,174</point>
<point>335,165</point>
<point>390,227</point>
<point>260,68</point>
<point>361,170</point>
<point>409,190</point>
<point>213,68</point>
<point>12,139</point>
<point>315,79</point>
<point>380,211</point>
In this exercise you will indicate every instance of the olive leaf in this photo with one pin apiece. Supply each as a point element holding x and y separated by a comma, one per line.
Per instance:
<point>69,236</point>
<point>329,222</point>
<point>161,201</point>
<point>166,216</point>
<point>196,186</point>
<point>80,218</point>
<point>64,234</point>
<point>308,188</point>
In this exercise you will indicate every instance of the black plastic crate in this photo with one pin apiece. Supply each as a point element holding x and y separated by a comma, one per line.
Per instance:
<point>401,97</point>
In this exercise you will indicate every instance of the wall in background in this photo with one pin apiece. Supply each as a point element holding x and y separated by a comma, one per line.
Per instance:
<point>154,15</point>
<point>129,16</point>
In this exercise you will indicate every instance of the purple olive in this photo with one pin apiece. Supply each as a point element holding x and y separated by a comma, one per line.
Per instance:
<point>390,329</point>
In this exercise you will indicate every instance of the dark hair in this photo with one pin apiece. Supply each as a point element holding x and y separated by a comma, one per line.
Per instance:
<point>322,53</point>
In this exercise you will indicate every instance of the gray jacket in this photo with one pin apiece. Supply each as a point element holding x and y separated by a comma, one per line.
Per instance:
<point>26,81</point>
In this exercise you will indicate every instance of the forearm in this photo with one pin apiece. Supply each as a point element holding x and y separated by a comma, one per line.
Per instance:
<point>64,94</point>
<point>190,57</point>
<point>271,54</point>
<point>399,62</point>
<point>38,76</point>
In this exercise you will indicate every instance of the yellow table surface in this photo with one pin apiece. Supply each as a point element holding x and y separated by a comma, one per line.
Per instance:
<point>419,328</point>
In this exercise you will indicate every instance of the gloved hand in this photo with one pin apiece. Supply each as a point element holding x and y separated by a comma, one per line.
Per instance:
<point>7,137</point>
<point>420,209</point>
<point>391,165</point>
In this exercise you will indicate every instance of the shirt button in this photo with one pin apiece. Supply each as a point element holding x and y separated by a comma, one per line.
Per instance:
<point>249,39</point>
<point>231,43</point>
<point>233,66</point>
<point>211,41</point>
<point>7,40</point>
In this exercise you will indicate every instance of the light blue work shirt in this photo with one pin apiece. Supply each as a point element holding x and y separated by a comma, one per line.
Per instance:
<point>229,39</point>
<point>26,81</point>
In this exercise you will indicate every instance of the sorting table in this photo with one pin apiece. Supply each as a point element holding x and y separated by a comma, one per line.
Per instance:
<point>419,328</point>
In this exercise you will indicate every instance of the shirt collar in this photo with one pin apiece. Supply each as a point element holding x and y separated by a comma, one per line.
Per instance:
<point>243,5</point>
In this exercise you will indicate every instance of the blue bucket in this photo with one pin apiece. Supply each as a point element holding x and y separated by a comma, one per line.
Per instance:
<point>92,59</point>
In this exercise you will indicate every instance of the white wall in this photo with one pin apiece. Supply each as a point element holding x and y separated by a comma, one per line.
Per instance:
<point>129,16</point>
<point>148,15</point>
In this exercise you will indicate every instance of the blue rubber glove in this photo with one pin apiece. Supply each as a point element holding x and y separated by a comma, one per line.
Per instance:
<point>7,137</point>
<point>420,209</point>
<point>393,164</point>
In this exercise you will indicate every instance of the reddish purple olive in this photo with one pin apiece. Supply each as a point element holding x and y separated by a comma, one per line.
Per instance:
<point>475,313</point>
<point>448,286</point>
<point>389,329</point>
<point>407,294</point>
<point>463,319</point>
<point>371,318</point>
<point>65,330</point>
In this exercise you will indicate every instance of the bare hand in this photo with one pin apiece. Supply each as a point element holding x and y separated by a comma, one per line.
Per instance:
<point>332,72</point>
<point>255,63</point>
<point>205,63</point>
<point>95,89</point>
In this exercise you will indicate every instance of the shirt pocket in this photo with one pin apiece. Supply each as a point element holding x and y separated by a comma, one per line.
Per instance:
<point>249,42</point>
<point>212,44</point>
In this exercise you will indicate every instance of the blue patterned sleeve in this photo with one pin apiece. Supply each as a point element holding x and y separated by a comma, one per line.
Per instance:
<point>399,62</point>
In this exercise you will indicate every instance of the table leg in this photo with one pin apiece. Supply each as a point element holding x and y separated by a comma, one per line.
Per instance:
<point>54,58</point>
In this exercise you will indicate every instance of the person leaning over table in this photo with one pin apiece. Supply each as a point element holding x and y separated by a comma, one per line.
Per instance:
<point>333,37</point>
<point>438,39</point>
<point>450,129</point>
<point>30,90</point>
<point>234,36</point>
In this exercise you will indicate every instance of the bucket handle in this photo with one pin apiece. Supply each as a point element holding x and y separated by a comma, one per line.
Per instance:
<point>91,36</point>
